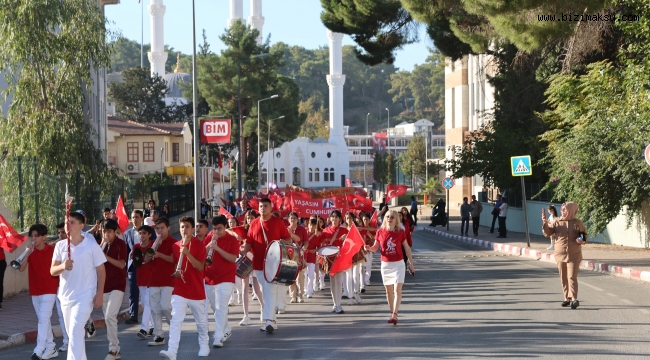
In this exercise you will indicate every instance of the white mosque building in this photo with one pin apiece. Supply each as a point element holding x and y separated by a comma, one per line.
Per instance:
<point>317,163</point>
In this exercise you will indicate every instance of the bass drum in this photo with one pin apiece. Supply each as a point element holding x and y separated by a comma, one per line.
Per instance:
<point>282,263</point>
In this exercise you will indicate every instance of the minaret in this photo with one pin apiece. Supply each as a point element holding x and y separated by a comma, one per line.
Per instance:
<point>256,20</point>
<point>236,12</point>
<point>336,79</point>
<point>157,55</point>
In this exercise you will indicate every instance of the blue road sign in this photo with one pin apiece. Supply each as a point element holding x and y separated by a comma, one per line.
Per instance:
<point>448,183</point>
<point>521,166</point>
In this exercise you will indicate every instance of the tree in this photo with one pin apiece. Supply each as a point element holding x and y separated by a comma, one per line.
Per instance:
<point>432,188</point>
<point>48,51</point>
<point>317,123</point>
<point>401,87</point>
<point>414,158</point>
<point>125,54</point>
<point>143,186</point>
<point>218,84</point>
<point>141,97</point>
<point>391,169</point>
<point>379,167</point>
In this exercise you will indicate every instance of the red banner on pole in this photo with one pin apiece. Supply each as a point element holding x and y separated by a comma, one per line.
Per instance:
<point>322,207</point>
<point>10,239</point>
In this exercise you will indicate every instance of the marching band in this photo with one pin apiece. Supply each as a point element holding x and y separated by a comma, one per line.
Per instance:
<point>203,269</point>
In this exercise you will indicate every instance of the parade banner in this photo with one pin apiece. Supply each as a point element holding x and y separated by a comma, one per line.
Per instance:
<point>322,207</point>
<point>338,192</point>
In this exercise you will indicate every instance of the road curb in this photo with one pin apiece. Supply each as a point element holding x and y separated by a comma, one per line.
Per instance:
<point>615,270</point>
<point>30,336</point>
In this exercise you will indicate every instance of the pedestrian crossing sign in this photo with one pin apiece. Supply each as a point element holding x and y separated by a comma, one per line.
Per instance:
<point>521,166</point>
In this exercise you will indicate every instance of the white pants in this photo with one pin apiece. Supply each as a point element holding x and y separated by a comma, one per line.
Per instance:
<point>346,291</point>
<point>147,318</point>
<point>368,267</point>
<point>310,275</point>
<point>270,294</point>
<point>218,296</point>
<point>281,300</point>
<point>61,321</point>
<point>76,313</point>
<point>353,277</point>
<point>297,289</point>
<point>321,279</point>
<point>43,305</point>
<point>179,309</point>
<point>111,307</point>
<point>336,288</point>
<point>160,301</point>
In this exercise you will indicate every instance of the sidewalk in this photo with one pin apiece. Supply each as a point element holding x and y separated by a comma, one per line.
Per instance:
<point>627,262</point>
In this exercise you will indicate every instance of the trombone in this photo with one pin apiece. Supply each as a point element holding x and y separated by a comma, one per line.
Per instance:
<point>18,263</point>
<point>179,272</point>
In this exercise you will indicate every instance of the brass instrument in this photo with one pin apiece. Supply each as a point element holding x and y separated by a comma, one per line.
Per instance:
<point>179,271</point>
<point>208,259</point>
<point>152,250</point>
<point>18,263</point>
<point>137,257</point>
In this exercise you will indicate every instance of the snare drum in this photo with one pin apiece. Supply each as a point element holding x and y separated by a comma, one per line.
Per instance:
<point>282,263</point>
<point>326,256</point>
<point>359,257</point>
<point>245,265</point>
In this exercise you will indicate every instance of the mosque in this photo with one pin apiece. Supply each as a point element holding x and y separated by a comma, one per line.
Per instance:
<point>318,163</point>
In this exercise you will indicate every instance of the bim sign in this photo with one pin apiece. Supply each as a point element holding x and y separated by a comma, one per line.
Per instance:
<point>215,131</point>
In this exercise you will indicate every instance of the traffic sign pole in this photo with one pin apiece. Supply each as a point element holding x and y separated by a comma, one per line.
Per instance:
<point>523,193</point>
<point>447,209</point>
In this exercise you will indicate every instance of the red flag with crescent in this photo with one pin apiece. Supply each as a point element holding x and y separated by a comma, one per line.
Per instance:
<point>122,217</point>
<point>225,213</point>
<point>373,220</point>
<point>10,239</point>
<point>359,203</point>
<point>393,191</point>
<point>351,246</point>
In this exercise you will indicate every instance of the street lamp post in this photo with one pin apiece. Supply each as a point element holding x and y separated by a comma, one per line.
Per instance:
<point>268,155</point>
<point>162,167</point>
<point>241,132</point>
<point>259,154</point>
<point>388,131</point>
<point>366,162</point>
<point>195,120</point>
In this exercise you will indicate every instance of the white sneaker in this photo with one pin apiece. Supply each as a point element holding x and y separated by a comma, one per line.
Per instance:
<point>158,341</point>
<point>64,347</point>
<point>300,300</point>
<point>322,287</point>
<point>166,354</point>
<point>245,321</point>
<point>280,311</point>
<point>231,303</point>
<point>113,355</point>
<point>270,326</point>
<point>48,354</point>
<point>293,301</point>
<point>351,301</point>
<point>254,296</point>
<point>308,296</point>
<point>357,298</point>
<point>227,334</point>
<point>204,351</point>
<point>217,344</point>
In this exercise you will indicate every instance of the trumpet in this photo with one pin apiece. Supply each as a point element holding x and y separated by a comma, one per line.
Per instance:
<point>179,271</point>
<point>208,259</point>
<point>18,263</point>
<point>152,250</point>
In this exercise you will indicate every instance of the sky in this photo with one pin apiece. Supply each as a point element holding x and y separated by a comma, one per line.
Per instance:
<point>295,22</point>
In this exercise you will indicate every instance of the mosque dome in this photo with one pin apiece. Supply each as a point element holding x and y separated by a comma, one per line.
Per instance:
<point>174,79</point>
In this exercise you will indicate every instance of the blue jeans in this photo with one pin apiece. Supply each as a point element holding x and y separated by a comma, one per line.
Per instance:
<point>134,294</point>
<point>464,223</point>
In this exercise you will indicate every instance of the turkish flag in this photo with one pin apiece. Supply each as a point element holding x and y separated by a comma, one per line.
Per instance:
<point>393,191</point>
<point>360,191</point>
<point>241,218</point>
<point>10,239</point>
<point>254,203</point>
<point>122,217</point>
<point>223,212</point>
<point>351,246</point>
<point>373,219</point>
<point>225,203</point>
<point>360,203</point>
<point>240,230</point>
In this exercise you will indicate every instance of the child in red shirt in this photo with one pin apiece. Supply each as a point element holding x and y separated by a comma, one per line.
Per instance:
<point>42,287</point>
<point>142,279</point>
<point>189,290</point>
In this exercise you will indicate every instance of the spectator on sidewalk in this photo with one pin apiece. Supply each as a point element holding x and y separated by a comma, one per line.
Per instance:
<point>151,207</point>
<point>414,210</point>
<point>42,288</point>
<point>465,210</point>
<point>495,213</point>
<point>165,211</point>
<point>553,214</point>
<point>571,236</point>
<point>503,213</point>
<point>383,208</point>
<point>477,208</point>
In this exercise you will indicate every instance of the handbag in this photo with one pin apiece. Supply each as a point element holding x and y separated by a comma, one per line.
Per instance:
<point>495,212</point>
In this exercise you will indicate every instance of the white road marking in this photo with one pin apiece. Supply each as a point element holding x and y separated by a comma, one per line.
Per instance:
<point>612,295</point>
<point>627,301</point>
<point>591,286</point>
<point>645,311</point>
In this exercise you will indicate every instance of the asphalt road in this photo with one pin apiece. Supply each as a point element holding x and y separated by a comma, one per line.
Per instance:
<point>464,302</point>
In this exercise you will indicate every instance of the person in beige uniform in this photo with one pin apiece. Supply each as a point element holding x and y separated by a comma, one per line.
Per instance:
<point>570,236</point>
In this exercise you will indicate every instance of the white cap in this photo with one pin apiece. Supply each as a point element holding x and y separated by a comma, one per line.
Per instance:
<point>149,221</point>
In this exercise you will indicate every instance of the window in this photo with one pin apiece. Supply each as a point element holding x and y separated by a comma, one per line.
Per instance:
<point>296,176</point>
<point>132,151</point>
<point>277,155</point>
<point>282,175</point>
<point>148,152</point>
<point>313,154</point>
<point>329,154</point>
<point>166,151</point>
<point>275,176</point>
<point>332,174</point>
<point>176,152</point>
<point>263,177</point>
<point>311,175</point>
<point>317,175</point>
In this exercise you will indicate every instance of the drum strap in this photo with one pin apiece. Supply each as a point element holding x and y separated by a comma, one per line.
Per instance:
<point>266,240</point>
<point>334,236</point>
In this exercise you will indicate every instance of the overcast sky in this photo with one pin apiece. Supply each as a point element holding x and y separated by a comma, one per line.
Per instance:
<point>295,22</point>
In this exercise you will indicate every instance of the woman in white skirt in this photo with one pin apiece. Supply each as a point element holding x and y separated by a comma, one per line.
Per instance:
<point>391,238</point>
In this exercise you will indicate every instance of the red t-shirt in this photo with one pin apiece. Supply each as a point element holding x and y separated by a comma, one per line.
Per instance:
<point>407,227</point>
<point>115,277</point>
<point>38,265</point>
<point>161,270</point>
<point>314,243</point>
<point>390,243</point>
<point>221,269</point>
<point>274,229</point>
<point>302,234</point>
<point>190,285</point>
<point>329,233</point>
<point>144,271</point>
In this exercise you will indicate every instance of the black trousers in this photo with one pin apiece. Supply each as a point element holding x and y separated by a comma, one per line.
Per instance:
<point>502,225</point>
<point>3,267</point>
<point>494,219</point>
<point>134,294</point>
<point>414,214</point>
<point>475,222</point>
